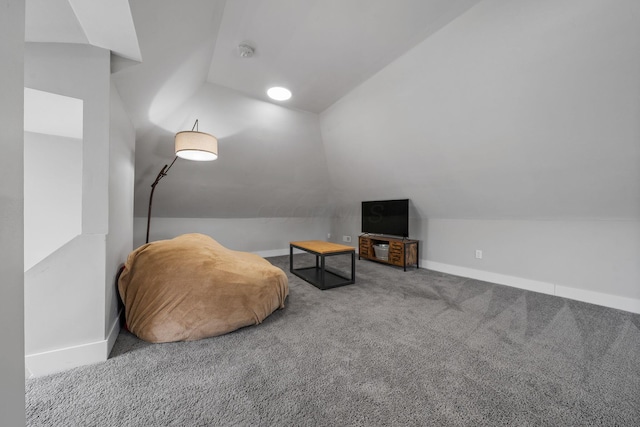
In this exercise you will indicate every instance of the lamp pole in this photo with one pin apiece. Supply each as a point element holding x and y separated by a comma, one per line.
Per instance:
<point>162,174</point>
<point>194,145</point>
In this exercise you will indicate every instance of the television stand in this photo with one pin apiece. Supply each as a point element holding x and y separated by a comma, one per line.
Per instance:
<point>402,252</point>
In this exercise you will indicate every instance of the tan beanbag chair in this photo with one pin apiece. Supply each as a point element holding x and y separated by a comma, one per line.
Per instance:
<point>191,287</point>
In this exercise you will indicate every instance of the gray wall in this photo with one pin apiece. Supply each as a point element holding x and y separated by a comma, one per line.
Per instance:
<point>514,110</point>
<point>271,161</point>
<point>11,213</point>
<point>572,256</point>
<point>514,130</point>
<point>265,236</point>
<point>269,186</point>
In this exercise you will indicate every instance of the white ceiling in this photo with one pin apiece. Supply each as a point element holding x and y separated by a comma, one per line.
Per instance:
<point>462,85</point>
<point>52,21</point>
<point>319,49</point>
<point>176,39</point>
<point>103,23</point>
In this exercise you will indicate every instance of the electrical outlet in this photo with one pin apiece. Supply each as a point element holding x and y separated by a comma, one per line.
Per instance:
<point>478,254</point>
<point>346,239</point>
<point>328,235</point>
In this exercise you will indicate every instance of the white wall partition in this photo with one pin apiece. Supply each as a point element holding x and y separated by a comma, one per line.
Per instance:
<point>122,140</point>
<point>65,319</point>
<point>52,194</point>
<point>52,173</point>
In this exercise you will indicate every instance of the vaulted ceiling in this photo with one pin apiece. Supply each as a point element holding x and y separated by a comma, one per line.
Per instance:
<point>272,159</point>
<point>484,108</point>
<point>319,49</point>
<point>102,23</point>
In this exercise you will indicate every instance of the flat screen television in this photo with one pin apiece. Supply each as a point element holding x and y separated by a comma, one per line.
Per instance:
<point>389,217</point>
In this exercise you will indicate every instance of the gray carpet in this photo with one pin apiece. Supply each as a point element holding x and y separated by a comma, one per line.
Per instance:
<point>395,349</point>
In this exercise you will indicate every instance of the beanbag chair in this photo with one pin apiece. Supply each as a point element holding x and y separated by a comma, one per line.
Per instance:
<point>191,287</point>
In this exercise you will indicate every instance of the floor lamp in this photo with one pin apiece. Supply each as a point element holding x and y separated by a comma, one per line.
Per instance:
<point>190,145</point>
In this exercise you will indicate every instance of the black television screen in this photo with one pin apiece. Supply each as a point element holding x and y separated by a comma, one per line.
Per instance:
<point>386,217</point>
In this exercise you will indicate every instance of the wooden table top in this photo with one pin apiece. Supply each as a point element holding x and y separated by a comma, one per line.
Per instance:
<point>321,247</point>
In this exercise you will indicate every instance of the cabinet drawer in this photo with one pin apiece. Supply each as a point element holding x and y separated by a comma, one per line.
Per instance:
<point>396,261</point>
<point>365,247</point>
<point>395,248</point>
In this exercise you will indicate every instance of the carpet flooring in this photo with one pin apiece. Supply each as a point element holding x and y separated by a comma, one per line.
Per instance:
<point>415,348</point>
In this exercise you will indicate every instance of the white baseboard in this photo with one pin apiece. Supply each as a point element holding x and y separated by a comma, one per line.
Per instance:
<point>113,333</point>
<point>61,359</point>
<point>598,298</point>
<point>487,276</point>
<point>607,300</point>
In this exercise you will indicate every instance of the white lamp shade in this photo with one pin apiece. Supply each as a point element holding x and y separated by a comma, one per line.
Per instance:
<point>193,145</point>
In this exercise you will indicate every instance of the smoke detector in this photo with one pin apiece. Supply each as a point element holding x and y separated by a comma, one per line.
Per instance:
<point>245,50</point>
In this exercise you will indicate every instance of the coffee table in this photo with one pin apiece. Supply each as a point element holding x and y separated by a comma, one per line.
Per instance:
<point>318,275</point>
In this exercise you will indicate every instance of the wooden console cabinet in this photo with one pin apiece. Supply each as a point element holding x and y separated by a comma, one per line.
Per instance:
<point>402,252</point>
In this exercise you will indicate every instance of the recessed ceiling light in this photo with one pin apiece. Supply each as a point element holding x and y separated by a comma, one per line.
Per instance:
<point>279,93</point>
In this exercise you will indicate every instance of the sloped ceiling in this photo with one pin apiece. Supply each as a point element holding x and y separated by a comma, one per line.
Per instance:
<point>272,159</point>
<point>177,41</point>
<point>320,49</point>
<point>473,109</point>
<point>103,23</point>
<point>52,21</point>
<point>516,110</point>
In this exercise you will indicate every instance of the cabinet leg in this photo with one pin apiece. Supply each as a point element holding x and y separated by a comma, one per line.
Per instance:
<point>353,267</point>
<point>290,258</point>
